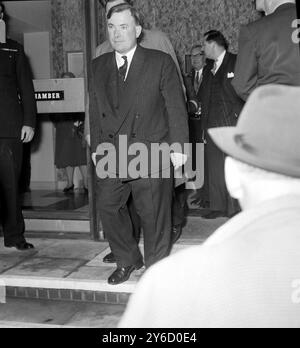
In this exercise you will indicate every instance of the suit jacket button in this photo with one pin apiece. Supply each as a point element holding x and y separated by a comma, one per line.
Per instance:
<point>111,136</point>
<point>133,135</point>
<point>103,115</point>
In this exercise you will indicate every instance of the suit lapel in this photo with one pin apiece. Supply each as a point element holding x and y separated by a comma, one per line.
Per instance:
<point>106,76</point>
<point>111,83</point>
<point>132,85</point>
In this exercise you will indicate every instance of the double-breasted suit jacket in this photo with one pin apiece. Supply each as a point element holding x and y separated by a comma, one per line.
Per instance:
<point>148,108</point>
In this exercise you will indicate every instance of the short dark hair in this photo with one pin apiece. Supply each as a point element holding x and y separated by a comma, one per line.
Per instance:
<point>105,2</point>
<point>218,37</point>
<point>124,7</point>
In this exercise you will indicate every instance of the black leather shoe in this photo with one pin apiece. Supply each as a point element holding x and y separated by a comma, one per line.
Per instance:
<point>109,258</point>
<point>214,215</point>
<point>176,233</point>
<point>22,246</point>
<point>121,275</point>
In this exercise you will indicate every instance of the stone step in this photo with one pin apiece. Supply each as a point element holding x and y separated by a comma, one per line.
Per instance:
<point>69,269</point>
<point>66,270</point>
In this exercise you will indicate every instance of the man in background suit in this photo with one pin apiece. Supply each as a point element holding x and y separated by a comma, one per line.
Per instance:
<point>267,53</point>
<point>136,93</point>
<point>193,82</point>
<point>17,120</point>
<point>220,108</point>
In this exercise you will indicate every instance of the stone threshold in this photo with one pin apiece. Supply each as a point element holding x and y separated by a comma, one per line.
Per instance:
<point>67,290</point>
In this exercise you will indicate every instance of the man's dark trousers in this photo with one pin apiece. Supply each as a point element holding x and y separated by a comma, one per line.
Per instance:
<point>10,168</point>
<point>153,200</point>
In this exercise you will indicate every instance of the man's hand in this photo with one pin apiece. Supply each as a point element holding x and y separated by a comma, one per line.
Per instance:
<point>94,155</point>
<point>27,134</point>
<point>178,160</point>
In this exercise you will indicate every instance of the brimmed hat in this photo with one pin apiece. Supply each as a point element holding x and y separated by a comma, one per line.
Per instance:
<point>267,135</point>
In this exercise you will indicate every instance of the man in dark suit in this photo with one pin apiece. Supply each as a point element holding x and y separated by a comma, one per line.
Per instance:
<point>135,94</point>
<point>267,53</point>
<point>153,39</point>
<point>220,108</point>
<point>17,119</point>
<point>193,82</point>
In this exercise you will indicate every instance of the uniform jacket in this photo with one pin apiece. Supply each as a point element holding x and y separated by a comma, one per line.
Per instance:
<point>17,101</point>
<point>267,54</point>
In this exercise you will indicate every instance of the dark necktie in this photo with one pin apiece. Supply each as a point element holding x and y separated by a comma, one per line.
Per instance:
<point>198,80</point>
<point>123,69</point>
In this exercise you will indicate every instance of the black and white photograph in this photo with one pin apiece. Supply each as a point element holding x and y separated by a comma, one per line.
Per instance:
<point>149,166</point>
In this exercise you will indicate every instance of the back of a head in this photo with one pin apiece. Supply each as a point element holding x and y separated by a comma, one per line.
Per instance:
<point>252,186</point>
<point>267,138</point>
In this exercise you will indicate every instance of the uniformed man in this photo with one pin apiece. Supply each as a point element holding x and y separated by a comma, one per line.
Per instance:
<point>17,122</point>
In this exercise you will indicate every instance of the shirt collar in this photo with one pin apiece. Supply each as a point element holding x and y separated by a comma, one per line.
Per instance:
<point>129,55</point>
<point>220,59</point>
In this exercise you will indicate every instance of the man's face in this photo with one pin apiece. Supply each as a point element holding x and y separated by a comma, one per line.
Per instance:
<point>209,49</point>
<point>123,31</point>
<point>197,58</point>
<point>114,3</point>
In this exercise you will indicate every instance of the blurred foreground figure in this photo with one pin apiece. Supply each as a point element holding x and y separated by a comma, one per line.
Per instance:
<point>247,273</point>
